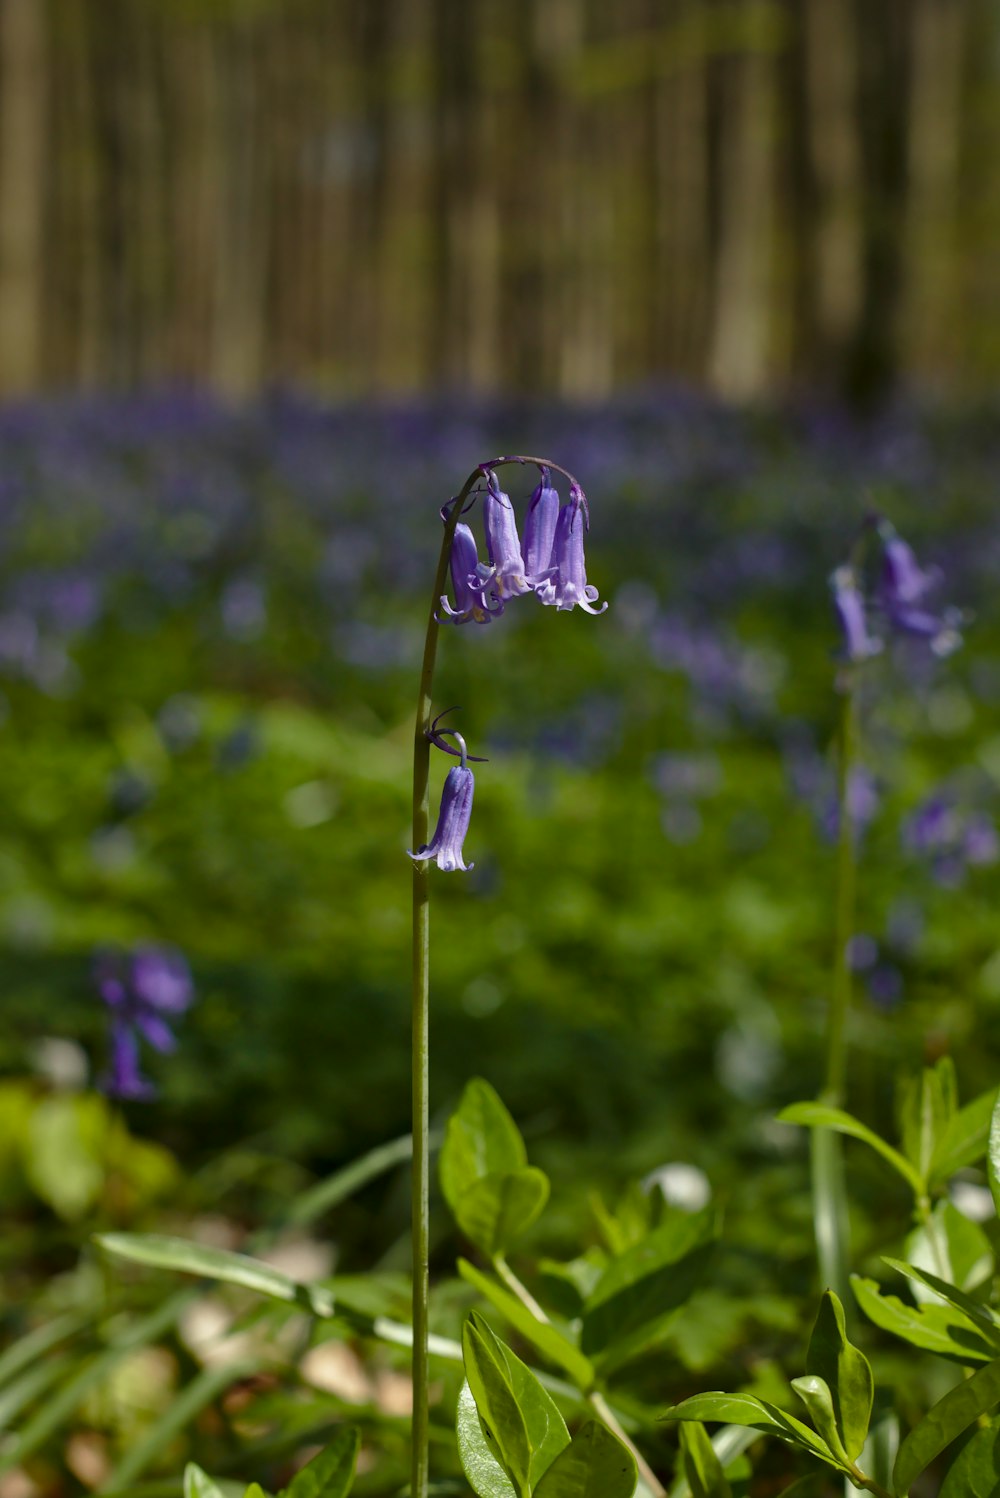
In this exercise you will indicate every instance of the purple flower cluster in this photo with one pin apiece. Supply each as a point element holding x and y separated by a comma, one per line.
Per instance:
<point>904,600</point>
<point>950,839</point>
<point>550,563</point>
<point>142,991</point>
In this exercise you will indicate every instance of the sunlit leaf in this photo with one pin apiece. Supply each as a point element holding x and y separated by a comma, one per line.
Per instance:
<point>595,1464</point>
<point>547,1338</point>
<point>845,1371</point>
<point>161,1252</point>
<point>952,1415</point>
<point>819,1116</point>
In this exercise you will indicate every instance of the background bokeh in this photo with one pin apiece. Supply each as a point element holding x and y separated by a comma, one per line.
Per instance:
<point>273,278</point>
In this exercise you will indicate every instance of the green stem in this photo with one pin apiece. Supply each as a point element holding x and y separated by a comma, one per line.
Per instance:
<point>830,1212</point>
<point>522,1292</point>
<point>421,984</point>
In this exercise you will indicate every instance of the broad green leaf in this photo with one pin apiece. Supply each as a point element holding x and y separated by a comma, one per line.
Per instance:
<point>481,1139</point>
<point>927,1105</point>
<point>198,1484</point>
<point>729,1444</point>
<point>757,1414</point>
<point>975,1472</point>
<point>647,1283</point>
<point>980,1315</point>
<point>163,1252</point>
<point>943,1424</point>
<point>498,1208</point>
<point>547,1338</point>
<point>522,1426</point>
<point>205,1387</point>
<point>846,1372</point>
<point>816,1396</point>
<point>702,1467</point>
<point>595,1464</point>
<point>485,1475</point>
<point>952,1247</point>
<point>993,1154</point>
<point>331,1473</point>
<point>255,1491</point>
<point>935,1328</point>
<point>966,1138</point>
<point>819,1116</point>
<point>67,1143</point>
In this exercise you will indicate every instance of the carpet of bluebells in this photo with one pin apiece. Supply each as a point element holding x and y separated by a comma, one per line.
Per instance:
<point>210,633</point>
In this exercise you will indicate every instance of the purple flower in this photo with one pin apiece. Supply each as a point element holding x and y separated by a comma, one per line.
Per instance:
<point>979,841</point>
<point>124,1079</point>
<point>904,590</point>
<point>566,585</point>
<point>503,544</point>
<point>849,605</point>
<point>540,530</point>
<point>445,847</point>
<point>139,991</point>
<point>468,579</point>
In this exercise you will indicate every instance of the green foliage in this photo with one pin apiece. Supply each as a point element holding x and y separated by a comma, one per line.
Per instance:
<point>331,1473</point>
<point>846,1372</point>
<point>595,1464</point>
<point>943,1424</point>
<point>493,1192</point>
<point>179,1254</point>
<point>702,1467</point>
<point>521,1425</point>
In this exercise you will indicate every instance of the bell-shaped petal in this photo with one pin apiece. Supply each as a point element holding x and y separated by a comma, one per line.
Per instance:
<point>849,605</point>
<point>567,586</point>
<point>503,544</point>
<point>445,847</point>
<point>124,1079</point>
<point>161,980</point>
<point>469,579</point>
<point>540,530</point>
<point>904,592</point>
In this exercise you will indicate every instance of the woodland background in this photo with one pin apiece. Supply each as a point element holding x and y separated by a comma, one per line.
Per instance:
<point>377,196</point>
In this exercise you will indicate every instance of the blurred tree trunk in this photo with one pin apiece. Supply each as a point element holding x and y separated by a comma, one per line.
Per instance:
<point>24,77</point>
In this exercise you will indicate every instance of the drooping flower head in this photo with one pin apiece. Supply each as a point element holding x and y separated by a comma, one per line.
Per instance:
<point>140,991</point>
<point>905,591</point>
<point>540,530</point>
<point>503,543</point>
<point>469,578</point>
<point>445,847</point>
<point>566,586</point>
<point>849,605</point>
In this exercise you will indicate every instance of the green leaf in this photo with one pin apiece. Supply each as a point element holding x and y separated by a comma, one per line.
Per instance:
<point>311,1204</point>
<point>498,1208</point>
<point>952,1247</point>
<point>331,1473</point>
<point>522,1426</point>
<point>205,1387</point>
<point>481,1140</point>
<point>595,1464</point>
<point>757,1414</point>
<point>646,1284</point>
<point>943,1424</point>
<point>846,1372</point>
<point>198,1484</point>
<point>547,1338</point>
<point>966,1138</point>
<point>935,1328</point>
<point>927,1105</point>
<point>485,1475</point>
<point>819,1116</point>
<point>255,1491</point>
<point>975,1472</point>
<point>163,1252</point>
<point>67,1142</point>
<point>816,1396</point>
<point>980,1315</point>
<point>702,1468</point>
<point>993,1154</point>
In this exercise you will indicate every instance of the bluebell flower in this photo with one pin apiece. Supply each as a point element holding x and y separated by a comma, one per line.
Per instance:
<point>566,585</point>
<point>904,592</point>
<point>469,578</point>
<point>140,992</point>
<point>540,530</point>
<point>445,847</point>
<point>503,544</point>
<point>849,606</point>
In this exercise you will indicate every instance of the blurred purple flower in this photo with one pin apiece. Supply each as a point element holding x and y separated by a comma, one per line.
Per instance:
<point>885,985</point>
<point>862,804</point>
<point>445,847</point>
<point>139,991</point>
<point>980,843</point>
<point>904,591</point>
<point>849,606</point>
